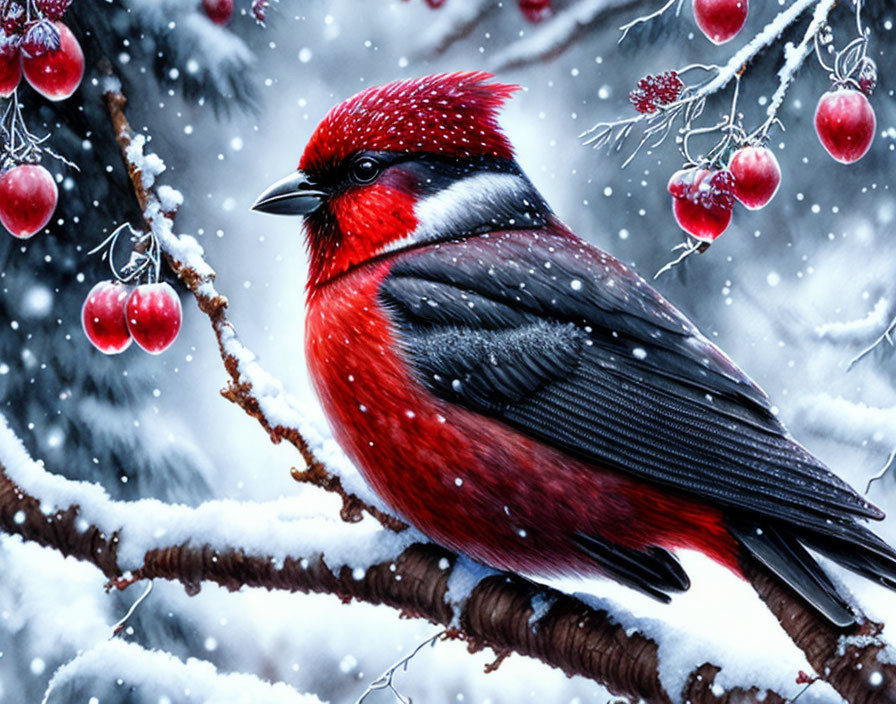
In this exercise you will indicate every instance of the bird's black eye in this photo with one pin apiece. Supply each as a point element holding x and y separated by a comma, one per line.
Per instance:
<point>364,169</point>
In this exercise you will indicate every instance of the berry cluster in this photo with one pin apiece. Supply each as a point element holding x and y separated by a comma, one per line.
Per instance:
<point>653,91</point>
<point>34,43</point>
<point>115,314</point>
<point>149,314</point>
<point>703,198</point>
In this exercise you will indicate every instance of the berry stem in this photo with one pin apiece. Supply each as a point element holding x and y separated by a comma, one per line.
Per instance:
<point>646,18</point>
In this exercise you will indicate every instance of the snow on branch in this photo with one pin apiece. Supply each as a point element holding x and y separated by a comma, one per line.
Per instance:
<point>559,33</point>
<point>277,546</point>
<point>211,61</point>
<point>871,331</point>
<point>794,56</point>
<point>658,124</point>
<point>255,390</point>
<point>456,21</point>
<point>169,678</point>
<point>848,421</point>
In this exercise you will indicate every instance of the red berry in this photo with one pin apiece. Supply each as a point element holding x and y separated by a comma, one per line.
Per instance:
<point>652,91</point>
<point>535,10</point>
<point>102,317</point>
<point>28,196</point>
<point>10,72</point>
<point>56,74</point>
<point>756,176</point>
<point>218,11</point>
<point>435,4</point>
<point>845,124</point>
<point>153,316</point>
<point>702,201</point>
<point>259,9</point>
<point>720,20</point>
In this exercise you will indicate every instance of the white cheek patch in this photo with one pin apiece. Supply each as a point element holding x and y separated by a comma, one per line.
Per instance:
<point>471,204</point>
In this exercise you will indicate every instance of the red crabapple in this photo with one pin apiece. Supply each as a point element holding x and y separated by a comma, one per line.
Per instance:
<point>56,74</point>
<point>720,20</point>
<point>102,317</point>
<point>153,315</point>
<point>535,10</point>
<point>10,71</point>
<point>756,176</point>
<point>218,11</point>
<point>845,124</point>
<point>702,201</point>
<point>28,196</point>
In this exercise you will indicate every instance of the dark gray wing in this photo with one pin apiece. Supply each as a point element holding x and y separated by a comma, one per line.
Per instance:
<point>565,343</point>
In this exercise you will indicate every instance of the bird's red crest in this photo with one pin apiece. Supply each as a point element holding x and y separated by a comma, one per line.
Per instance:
<point>450,113</point>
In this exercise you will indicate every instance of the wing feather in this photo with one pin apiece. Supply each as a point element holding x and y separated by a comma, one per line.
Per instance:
<point>568,345</point>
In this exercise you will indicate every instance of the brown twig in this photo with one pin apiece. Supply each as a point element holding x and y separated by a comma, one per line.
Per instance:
<point>239,390</point>
<point>570,636</point>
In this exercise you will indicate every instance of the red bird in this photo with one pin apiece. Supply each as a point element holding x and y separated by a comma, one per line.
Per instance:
<point>518,394</point>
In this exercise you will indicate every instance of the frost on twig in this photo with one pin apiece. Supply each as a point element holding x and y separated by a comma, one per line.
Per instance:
<point>656,126</point>
<point>385,681</point>
<point>628,26</point>
<point>257,392</point>
<point>166,676</point>
<point>883,470</point>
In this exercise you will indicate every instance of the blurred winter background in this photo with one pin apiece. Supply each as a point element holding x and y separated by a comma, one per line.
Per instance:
<point>822,252</point>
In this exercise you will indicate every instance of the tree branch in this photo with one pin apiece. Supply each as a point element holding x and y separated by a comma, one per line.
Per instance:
<point>559,33</point>
<point>497,612</point>
<point>274,410</point>
<point>853,662</point>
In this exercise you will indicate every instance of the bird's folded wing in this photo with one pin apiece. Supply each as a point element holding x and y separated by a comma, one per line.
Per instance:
<point>567,345</point>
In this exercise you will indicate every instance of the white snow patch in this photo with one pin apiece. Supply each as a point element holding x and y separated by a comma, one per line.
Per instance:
<point>861,331</point>
<point>710,622</point>
<point>277,529</point>
<point>192,682</point>
<point>467,573</point>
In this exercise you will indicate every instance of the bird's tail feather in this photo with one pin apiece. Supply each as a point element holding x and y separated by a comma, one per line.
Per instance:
<point>871,557</point>
<point>785,556</point>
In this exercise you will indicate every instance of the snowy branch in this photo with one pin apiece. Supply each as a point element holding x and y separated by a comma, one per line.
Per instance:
<point>170,679</point>
<point>276,546</point>
<point>257,392</point>
<point>456,21</point>
<point>559,33</point>
<point>211,61</point>
<point>794,58</point>
<point>848,421</point>
<point>870,332</point>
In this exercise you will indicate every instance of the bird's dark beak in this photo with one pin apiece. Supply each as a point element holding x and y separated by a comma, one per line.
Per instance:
<point>294,195</point>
